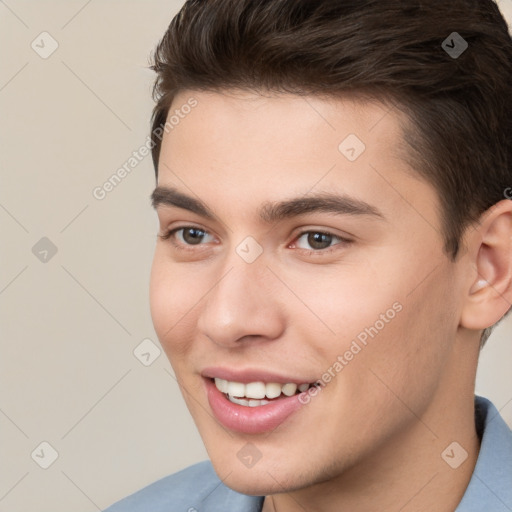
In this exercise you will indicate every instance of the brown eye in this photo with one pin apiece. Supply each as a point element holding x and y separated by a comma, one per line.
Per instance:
<point>316,240</point>
<point>192,236</point>
<point>189,235</point>
<point>319,240</point>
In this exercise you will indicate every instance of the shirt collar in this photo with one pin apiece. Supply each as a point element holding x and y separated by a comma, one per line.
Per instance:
<point>490,487</point>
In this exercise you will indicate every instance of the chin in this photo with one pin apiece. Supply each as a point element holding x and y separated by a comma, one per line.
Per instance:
<point>265,477</point>
<point>261,482</point>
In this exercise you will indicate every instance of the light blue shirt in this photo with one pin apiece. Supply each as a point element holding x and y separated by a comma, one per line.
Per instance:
<point>198,489</point>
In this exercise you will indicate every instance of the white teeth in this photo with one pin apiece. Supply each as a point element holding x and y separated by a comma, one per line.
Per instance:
<point>239,401</point>
<point>247,403</point>
<point>222,385</point>
<point>236,389</point>
<point>273,390</point>
<point>256,391</point>
<point>256,403</point>
<point>289,389</point>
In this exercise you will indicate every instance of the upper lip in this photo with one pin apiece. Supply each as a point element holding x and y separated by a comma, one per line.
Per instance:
<point>250,375</point>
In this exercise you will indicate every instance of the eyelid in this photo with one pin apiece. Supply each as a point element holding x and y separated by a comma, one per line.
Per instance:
<point>169,234</point>
<point>341,241</point>
<point>326,231</point>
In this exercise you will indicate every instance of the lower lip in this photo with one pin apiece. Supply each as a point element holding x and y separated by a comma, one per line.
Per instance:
<point>250,420</point>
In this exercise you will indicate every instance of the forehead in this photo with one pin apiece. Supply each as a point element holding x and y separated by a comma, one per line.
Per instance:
<point>239,114</point>
<point>242,148</point>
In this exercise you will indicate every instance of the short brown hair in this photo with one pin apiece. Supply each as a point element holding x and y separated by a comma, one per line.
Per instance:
<point>460,107</point>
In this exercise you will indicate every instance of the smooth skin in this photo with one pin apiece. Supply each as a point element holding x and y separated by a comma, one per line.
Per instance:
<point>372,438</point>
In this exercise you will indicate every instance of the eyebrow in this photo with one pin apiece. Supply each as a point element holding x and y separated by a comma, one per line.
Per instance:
<point>272,212</point>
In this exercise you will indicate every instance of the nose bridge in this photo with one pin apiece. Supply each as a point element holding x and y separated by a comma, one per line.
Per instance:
<point>240,303</point>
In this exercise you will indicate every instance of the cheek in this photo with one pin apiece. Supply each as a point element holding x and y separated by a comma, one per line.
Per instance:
<point>342,302</point>
<point>172,303</point>
<point>394,322</point>
<point>407,357</point>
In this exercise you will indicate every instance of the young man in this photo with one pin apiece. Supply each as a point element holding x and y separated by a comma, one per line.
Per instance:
<point>333,191</point>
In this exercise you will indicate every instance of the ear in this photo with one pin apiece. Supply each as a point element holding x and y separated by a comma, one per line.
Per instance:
<point>489,294</point>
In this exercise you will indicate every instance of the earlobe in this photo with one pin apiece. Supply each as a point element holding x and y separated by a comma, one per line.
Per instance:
<point>490,293</point>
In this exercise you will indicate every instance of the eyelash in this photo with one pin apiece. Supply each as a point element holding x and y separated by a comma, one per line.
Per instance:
<point>340,241</point>
<point>169,235</point>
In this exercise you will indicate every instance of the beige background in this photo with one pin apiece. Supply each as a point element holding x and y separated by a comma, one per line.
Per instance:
<point>70,325</point>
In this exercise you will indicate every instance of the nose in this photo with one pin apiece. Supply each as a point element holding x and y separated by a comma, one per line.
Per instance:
<point>242,306</point>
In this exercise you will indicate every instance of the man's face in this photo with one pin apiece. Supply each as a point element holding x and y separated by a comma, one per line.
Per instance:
<point>307,261</point>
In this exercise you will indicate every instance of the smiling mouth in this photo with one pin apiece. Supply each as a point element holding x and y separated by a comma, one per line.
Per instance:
<point>255,394</point>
